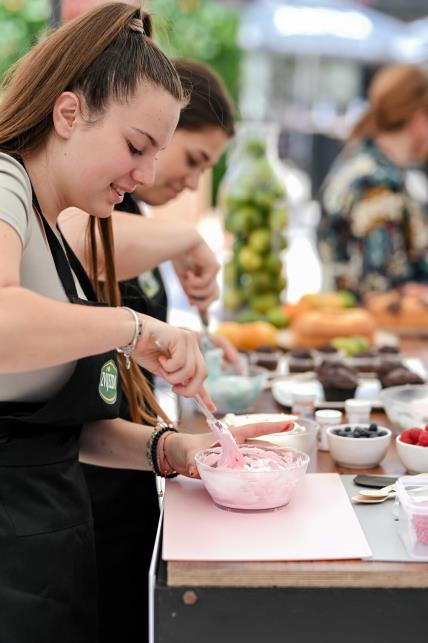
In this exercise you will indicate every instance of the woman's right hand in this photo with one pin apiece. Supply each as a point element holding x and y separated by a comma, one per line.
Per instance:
<point>173,354</point>
<point>197,271</point>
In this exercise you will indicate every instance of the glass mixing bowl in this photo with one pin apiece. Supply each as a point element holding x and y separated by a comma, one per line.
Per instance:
<point>253,489</point>
<point>406,406</point>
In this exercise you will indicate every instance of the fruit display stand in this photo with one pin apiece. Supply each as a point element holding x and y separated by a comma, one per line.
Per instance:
<point>353,600</point>
<point>253,200</point>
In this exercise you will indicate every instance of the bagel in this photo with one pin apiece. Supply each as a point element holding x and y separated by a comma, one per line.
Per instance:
<point>395,311</point>
<point>314,328</point>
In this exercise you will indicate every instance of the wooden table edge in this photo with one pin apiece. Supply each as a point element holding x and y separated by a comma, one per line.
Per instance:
<point>348,573</point>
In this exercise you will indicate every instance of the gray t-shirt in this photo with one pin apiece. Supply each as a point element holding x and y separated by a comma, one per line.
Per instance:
<point>37,273</point>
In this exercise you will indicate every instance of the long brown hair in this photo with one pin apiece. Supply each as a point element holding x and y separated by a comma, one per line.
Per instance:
<point>103,55</point>
<point>396,93</point>
<point>209,104</point>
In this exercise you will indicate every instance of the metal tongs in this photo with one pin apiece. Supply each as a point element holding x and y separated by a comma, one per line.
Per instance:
<point>231,455</point>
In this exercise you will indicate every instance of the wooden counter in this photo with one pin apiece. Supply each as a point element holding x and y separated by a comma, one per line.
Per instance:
<point>349,601</point>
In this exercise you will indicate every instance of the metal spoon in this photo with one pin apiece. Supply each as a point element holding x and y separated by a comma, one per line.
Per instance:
<point>205,341</point>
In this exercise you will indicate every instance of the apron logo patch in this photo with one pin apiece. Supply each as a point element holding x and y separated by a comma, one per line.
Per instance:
<point>149,284</point>
<point>107,387</point>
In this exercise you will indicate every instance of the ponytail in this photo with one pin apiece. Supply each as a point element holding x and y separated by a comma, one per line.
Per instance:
<point>117,55</point>
<point>143,406</point>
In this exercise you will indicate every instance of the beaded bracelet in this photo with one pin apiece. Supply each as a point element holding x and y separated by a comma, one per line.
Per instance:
<point>152,448</point>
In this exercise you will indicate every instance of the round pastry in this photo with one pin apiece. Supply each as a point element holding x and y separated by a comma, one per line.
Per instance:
<point>398,311</point>
<point>399,376</point>
<point>300,361</point>
<point>339,381</point>
<point>318,327</point>
<point>266,356</point>
<point>364,361</point>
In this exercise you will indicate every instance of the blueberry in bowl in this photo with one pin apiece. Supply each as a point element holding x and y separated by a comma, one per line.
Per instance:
<point>358,446</point>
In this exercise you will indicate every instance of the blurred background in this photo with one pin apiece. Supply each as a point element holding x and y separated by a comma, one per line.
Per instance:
<point>304,64</point>
<point>301,66</point>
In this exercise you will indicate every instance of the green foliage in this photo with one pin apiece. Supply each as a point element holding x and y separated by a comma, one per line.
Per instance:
<point>21,24</point>
<point>203,30</point>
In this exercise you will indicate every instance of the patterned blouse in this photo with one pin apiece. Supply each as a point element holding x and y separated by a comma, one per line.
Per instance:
<point>372,233</point>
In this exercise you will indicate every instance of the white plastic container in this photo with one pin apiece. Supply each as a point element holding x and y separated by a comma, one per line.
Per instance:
<point>358,411</point>
<point>303,404</point>
<point>326,418</point>
<point>412,495</point>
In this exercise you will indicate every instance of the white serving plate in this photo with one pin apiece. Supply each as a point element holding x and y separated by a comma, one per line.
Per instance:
<point>368,387</point>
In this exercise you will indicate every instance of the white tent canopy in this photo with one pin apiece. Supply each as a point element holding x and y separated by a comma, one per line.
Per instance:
<point>321,27</point>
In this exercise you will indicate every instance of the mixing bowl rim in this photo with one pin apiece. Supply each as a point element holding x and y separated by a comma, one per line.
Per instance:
<point>397,439</point>
<point>388,393</point>
<point>273,447</point>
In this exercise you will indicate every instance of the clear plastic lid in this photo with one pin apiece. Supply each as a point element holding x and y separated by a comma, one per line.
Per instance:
<point>412,492</point>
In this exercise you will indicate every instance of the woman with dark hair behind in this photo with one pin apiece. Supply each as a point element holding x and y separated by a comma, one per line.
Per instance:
<point>373,234</point>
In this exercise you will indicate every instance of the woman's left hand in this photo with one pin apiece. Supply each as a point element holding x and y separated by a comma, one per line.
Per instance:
<point>230,354</point>
<point>181,448</point>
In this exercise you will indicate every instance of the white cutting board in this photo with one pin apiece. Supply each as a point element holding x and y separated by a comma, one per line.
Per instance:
<point>319,523</point>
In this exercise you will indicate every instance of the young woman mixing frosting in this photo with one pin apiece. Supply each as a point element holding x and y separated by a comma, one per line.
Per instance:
<point>70,122</point>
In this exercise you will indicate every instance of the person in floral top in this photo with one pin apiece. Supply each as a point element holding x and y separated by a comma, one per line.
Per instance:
<point>373,234</point>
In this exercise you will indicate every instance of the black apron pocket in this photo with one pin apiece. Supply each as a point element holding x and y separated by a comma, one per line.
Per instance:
<point>44,498</point>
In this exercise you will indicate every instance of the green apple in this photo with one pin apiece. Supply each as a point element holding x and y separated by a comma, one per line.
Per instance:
<point>277,317</point>
<point>260,240</point>
<point>249,260</point>
<point>263,302</point>
<point>232,299</point>
<point>273,264</point>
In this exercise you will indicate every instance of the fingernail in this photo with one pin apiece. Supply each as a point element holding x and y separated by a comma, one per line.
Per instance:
<point>288,426</point>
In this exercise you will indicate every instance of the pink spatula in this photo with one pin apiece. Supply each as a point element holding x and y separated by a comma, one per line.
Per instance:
<point>230,456</point>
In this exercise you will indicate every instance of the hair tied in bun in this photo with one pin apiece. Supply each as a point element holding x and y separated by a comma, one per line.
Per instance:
<point>137,25</point>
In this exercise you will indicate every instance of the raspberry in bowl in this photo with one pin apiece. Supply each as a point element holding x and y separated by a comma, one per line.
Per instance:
<point>412,449</point>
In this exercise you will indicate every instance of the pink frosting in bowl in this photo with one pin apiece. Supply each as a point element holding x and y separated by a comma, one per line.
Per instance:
<point>267,480</point>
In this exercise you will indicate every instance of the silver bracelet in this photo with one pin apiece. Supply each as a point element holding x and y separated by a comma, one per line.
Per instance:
<point>127,350</point>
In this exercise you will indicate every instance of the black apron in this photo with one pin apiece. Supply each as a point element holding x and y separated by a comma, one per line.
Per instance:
<point>126,511</point>
<point>145,293</point>
<point>48,580</point>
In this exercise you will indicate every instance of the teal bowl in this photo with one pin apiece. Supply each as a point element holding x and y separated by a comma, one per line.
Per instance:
<point>236,393</point>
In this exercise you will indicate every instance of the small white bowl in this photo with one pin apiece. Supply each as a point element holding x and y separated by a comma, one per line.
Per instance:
<point>412,456</point>
<point>357,453</point>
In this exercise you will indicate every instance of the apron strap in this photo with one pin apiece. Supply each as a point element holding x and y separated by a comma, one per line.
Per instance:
<point>64,259</point>
<point>78,270</point>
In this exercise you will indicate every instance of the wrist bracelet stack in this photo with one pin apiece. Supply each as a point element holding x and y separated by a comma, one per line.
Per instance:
<point>152,451</point>
<point>127,350</point>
